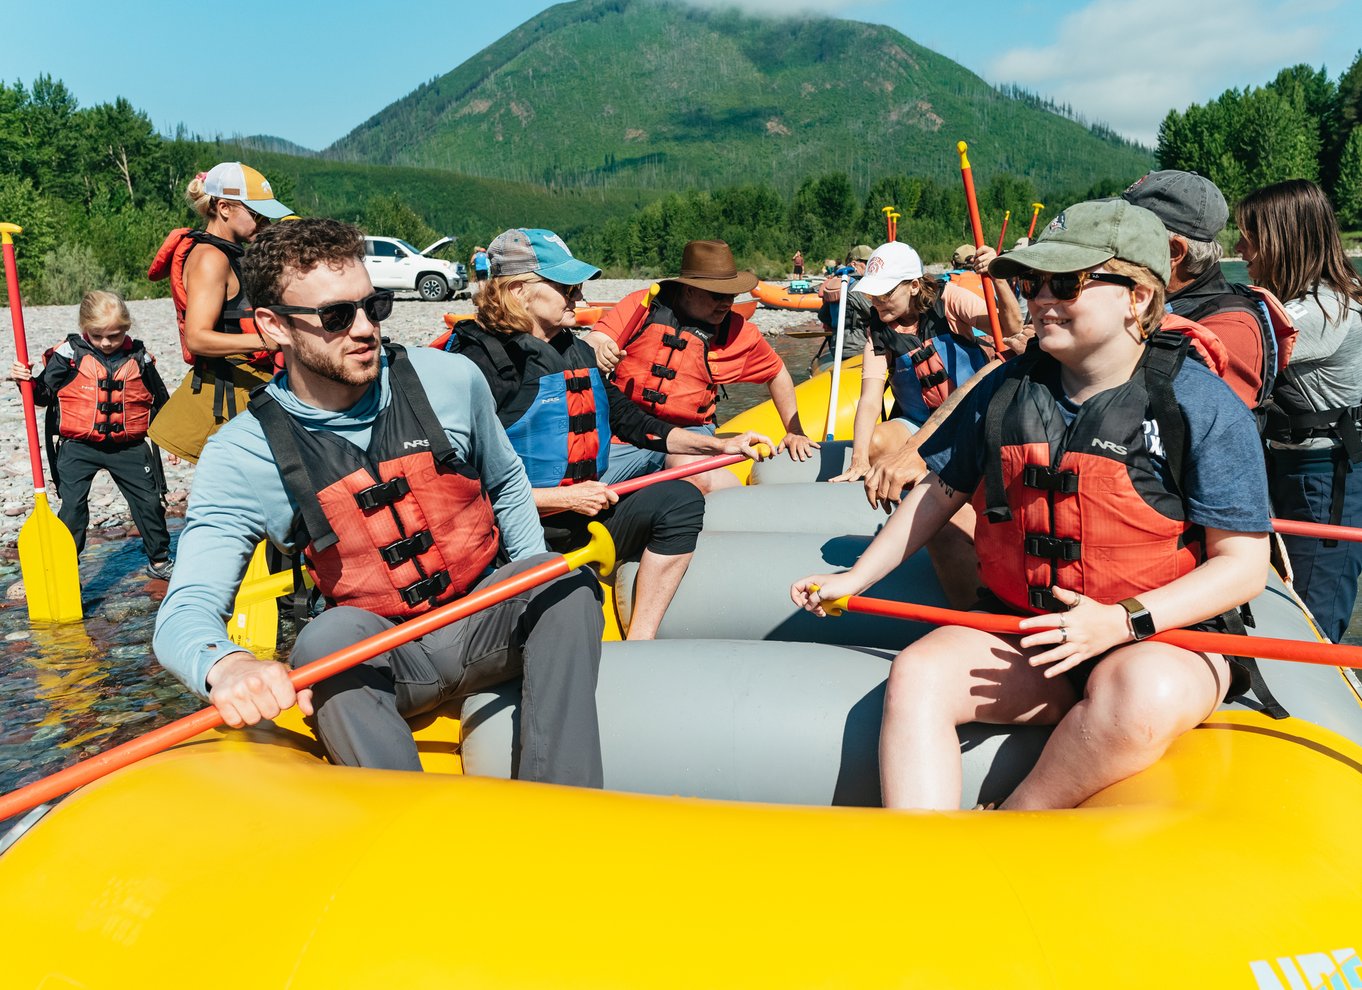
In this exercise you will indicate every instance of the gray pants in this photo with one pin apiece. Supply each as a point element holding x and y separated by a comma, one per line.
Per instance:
<point>550,636</point>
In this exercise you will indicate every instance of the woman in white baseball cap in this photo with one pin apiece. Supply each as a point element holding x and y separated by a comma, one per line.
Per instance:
<point>217,335</point>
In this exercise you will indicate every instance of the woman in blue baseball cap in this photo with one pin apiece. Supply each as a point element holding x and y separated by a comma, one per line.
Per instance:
<point>560,414</point>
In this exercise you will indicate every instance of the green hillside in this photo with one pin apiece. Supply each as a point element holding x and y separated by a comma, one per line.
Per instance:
<point>659,94</point>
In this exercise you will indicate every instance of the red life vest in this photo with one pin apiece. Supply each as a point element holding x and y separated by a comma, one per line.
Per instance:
<point>396,529</point>
<point>1084,507</point>
<point>666,367</point>
<point>107,401</point>
<point>235,316</point>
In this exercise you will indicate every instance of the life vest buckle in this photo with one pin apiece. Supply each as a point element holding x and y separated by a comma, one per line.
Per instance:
<point>675,341</point>
<point>662,371</point>
<point>426,590</point>
<point>109,407</point>
<point>924,353</point>
<point>1053,547</point>
<point>582,423</point>
<point>111,384</point>
<point>579,471</point>
<point>1043,600</point>
<point>1048,479</point>
<point>579,383</point>
<point>653,395</point>
<point>381,494</point>
<point>934,378</point>
<point>401,551</point>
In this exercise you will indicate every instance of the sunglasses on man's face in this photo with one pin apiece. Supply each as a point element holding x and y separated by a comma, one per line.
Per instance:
<point>339,317</point>
<point>1066,285</point>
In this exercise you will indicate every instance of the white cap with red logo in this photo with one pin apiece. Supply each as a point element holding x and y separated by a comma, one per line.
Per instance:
<point>891,264</point>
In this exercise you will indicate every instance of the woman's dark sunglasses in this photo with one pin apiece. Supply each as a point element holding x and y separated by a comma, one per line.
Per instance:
<point>339,317</point>
<point>1066,285</point>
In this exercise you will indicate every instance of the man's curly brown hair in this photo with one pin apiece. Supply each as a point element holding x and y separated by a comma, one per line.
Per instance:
<point>284,251</point>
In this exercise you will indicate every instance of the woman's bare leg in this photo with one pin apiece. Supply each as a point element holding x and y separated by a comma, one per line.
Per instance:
<point>951,676</point>
<point>1140,698</point>
<point>655,585</point>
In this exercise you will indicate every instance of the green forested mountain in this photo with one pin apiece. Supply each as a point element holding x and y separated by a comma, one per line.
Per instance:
<point>660,94</point>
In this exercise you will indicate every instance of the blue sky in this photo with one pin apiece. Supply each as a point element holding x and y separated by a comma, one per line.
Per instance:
<point>310,71</point>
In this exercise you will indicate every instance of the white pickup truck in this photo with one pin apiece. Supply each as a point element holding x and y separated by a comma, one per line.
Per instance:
<point>394,264</point>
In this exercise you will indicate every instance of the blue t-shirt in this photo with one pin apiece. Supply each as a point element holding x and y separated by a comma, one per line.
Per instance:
<point>1224,483</point>
<point>480,262</point>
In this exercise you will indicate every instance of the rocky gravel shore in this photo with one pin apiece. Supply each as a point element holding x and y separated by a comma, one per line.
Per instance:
<point>413,323</point>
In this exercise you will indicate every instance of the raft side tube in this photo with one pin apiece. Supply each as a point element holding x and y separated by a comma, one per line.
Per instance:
<point>780,723</point>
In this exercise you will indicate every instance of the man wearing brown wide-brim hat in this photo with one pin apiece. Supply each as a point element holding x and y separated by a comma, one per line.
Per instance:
<point>670,357</point>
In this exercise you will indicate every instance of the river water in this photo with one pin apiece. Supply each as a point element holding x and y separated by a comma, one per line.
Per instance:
<point>69,692</point>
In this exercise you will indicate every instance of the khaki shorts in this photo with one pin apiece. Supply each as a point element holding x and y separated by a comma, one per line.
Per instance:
<point>185,423</point>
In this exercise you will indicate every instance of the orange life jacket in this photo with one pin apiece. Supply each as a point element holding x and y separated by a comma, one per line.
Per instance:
<point>1084,507</point>
<point>396,529</point>
<point>104,402</point>
<point>666,367</point>
<point>236,312</point>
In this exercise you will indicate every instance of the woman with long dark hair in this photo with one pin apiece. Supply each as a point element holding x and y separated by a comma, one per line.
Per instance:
<point>1289,238</point>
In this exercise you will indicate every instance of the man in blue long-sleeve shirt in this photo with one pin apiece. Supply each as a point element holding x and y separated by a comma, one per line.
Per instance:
<point>392,472</point>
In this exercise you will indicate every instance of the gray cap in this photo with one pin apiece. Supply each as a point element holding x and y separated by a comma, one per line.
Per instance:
<point>1090,234</point>
<point>1187,203</point>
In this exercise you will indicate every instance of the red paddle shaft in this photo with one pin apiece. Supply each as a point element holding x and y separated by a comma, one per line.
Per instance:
<point>16,314</point>
<point>34,794</point>
<point>967,174</point>
<point>1326,654</point>
<point>670,474</point>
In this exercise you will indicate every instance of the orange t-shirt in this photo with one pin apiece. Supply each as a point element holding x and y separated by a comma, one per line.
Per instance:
<point>747,357</point>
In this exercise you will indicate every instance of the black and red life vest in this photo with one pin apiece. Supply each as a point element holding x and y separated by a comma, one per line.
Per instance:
<point>552,403</point>
<point>1084,506</point>
<point>396,529</point>
<point>234,318</point>
<point>665,368</point>
<point>931,361</point>
<point>107,401</point>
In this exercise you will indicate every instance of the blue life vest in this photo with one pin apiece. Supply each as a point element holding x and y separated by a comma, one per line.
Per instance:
<point>926,366</point>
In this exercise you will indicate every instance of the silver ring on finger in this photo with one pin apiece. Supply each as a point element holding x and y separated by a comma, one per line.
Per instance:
<point>1063,635</point>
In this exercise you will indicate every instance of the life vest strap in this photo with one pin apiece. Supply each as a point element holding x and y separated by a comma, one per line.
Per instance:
<point>1044,600</point>
<point>426,590</point>
<point>111,384</point>
<point>662,371</point>
<point>382,494</point>
<point>924,353</point>
<point>675,341</point>
<point>934,379</point>
<point>109,407</point>
<point>579,471</point>
<point>578,383</point>
<point>582,423</point>
<point>1048,479</point>
<point>1053,548</point>
<point>401,551</point>
<point>653,395</point>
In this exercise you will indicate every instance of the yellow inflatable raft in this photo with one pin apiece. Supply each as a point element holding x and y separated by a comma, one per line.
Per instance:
<point>734,847</point>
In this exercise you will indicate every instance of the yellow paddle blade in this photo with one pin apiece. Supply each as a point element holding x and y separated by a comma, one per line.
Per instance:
<point>47,556</point>
<point>255,626</point>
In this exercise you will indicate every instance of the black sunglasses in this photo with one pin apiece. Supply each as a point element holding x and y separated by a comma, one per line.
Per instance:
<point>1066,285</point>
<point>339,317</point>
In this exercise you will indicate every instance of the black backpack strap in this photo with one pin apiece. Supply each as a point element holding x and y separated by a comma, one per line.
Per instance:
<point>1246,677</point>
<point>288,455</point>
<point>468,335</point>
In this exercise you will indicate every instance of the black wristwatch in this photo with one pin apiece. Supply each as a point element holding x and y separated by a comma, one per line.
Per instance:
<point>1141,622</point>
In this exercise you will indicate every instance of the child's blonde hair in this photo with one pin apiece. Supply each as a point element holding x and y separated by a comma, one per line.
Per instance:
<point>100,310</point>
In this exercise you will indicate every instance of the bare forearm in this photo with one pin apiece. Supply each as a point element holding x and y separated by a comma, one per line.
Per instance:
<point>787,407</point>
<point>1235,573</point>
<point>214,343</point>
<point>922,513</point>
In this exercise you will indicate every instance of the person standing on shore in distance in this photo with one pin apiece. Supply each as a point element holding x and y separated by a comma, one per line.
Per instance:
<point>217,335</point>
<point>672,359</point>
<point>798,260</point>
<point>560,415</point>
<point>1194,211</point>
<point>389,469</point>
<point>1290,240</point>
<point>479,263</point>
<point>926,341</point>
<point>102,391</point>
<point>860,312</point>
<point>1104,465</point>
